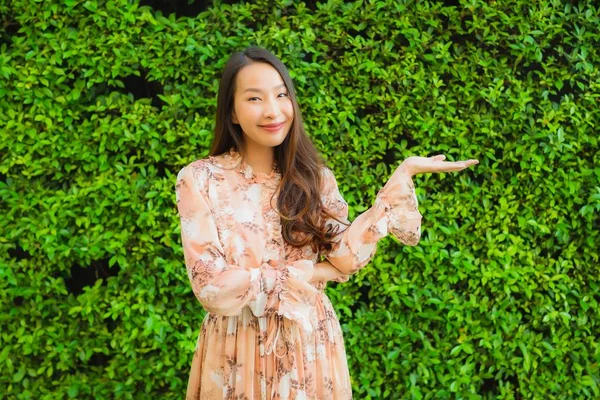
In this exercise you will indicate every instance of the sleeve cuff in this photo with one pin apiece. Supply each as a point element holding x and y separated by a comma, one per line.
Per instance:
<point>297,297</point>
<point>402,209</point>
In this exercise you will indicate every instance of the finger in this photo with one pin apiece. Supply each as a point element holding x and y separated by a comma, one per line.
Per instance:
<point>439,157</point>
<point>468,163</point>
<point>450,166</point>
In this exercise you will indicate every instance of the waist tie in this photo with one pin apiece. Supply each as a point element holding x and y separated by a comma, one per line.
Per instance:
<point>273,336</point>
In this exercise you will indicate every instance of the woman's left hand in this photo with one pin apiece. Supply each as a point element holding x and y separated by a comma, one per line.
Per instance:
<point>414,165</point>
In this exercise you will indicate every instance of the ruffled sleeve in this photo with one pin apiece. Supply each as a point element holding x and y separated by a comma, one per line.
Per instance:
<point>395,210</point>
<point>224,288</point>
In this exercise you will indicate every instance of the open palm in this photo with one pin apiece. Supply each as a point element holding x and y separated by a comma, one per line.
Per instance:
<point>419,165</point>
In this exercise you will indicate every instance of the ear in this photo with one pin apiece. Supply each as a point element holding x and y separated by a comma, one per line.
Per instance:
<point>234,118</point>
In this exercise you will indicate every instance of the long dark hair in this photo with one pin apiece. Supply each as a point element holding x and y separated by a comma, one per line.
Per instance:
<point>299,204</point>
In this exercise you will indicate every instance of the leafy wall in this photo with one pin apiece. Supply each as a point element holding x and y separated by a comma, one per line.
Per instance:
<point>101,103</point>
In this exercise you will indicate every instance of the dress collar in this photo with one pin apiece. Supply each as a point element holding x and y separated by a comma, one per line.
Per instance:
<point>233,160</point>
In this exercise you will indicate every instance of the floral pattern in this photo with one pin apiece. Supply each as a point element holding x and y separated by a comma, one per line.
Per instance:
<point>269,332</point>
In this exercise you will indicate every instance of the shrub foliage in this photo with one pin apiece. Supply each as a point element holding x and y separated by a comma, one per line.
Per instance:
<point>102,102</point>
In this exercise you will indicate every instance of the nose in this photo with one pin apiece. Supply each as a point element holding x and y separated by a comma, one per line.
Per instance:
<point>271,109</point>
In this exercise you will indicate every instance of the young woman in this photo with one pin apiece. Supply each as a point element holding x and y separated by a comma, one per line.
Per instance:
<point>257,215</point>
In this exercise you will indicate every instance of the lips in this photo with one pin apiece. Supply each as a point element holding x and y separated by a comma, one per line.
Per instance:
<point>272,126</point>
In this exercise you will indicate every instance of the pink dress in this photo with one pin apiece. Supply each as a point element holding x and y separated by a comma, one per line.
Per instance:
<point>270,333</point>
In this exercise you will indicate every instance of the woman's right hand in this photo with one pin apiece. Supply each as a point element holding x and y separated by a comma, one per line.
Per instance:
<point>325,271</point>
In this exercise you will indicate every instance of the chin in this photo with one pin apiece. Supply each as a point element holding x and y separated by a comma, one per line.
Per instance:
<point>274,141</point>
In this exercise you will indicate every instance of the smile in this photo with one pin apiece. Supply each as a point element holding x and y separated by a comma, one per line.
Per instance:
<point>272,128</point>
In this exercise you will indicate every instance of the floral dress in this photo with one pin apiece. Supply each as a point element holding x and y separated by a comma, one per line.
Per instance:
<point>269,333</point>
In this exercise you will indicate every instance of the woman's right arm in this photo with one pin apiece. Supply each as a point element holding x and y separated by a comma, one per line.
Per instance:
<point>223,288</point>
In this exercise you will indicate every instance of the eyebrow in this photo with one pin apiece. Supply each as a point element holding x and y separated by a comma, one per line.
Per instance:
<point>260,91</point>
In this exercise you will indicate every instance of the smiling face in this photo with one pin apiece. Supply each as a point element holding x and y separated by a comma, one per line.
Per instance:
<point>261,99</point>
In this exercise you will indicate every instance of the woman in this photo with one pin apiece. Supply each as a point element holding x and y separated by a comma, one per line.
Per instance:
<point>257,216</point>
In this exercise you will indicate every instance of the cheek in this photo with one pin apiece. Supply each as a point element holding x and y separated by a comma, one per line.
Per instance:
<point>245,113</point>
<point>289,109</point>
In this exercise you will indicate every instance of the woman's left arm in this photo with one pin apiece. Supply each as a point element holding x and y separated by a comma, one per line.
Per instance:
<point>395,211</point>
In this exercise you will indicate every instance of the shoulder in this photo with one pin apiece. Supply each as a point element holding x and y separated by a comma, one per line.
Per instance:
<point>193,168</point>
<point>197,171</point>
<point>329,185</point>
<point>327,177</point>
<point>326,171</point>
<point>330,194</point>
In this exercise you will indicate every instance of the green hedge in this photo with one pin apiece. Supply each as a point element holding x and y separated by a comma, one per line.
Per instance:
<point>101,103</point>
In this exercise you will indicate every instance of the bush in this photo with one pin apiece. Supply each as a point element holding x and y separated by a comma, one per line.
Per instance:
<point>103,102</point>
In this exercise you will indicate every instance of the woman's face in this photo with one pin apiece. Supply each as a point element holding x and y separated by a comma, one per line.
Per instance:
<point>261,99</point>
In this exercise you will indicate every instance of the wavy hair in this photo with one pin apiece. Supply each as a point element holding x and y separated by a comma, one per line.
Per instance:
<point>303,215</point>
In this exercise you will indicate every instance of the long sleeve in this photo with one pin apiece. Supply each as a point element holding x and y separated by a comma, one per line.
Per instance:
<point>223,288</point>
<point>395,210</point>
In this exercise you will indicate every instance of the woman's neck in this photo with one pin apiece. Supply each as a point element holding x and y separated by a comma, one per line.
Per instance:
<point>260,160</point>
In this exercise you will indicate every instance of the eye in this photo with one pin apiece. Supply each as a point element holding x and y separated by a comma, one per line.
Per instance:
<point>250,99</point>
<point>285,94</point>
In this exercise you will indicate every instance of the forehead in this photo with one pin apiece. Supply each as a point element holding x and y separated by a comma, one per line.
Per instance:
<point>257,75</point>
